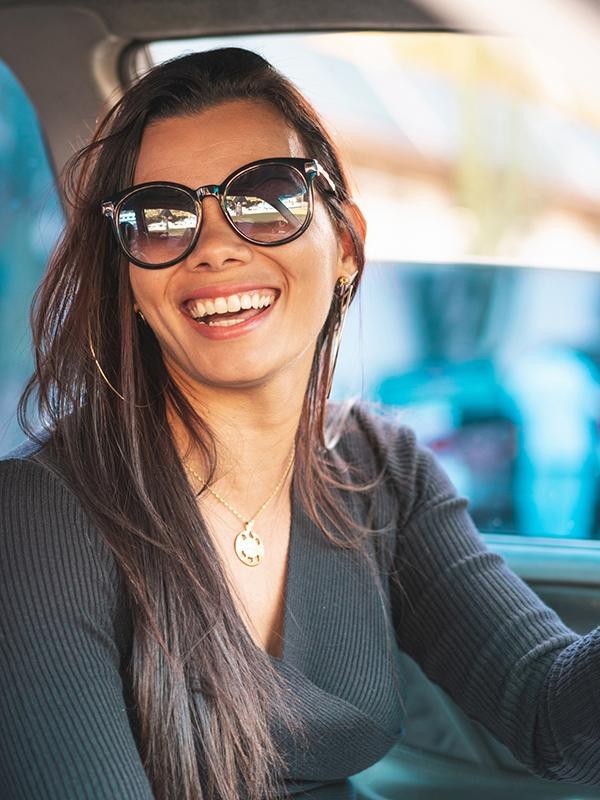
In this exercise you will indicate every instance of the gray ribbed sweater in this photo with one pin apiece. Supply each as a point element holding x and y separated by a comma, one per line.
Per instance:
<point>474,627</point>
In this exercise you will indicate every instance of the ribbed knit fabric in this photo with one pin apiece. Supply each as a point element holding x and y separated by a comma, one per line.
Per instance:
<point>66,728</point>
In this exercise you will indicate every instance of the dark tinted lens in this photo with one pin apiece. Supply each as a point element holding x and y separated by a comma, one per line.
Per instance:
<point>157,224</point>
<point>268,203</point>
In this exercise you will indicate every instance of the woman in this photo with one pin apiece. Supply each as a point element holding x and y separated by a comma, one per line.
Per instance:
<point>206,572</point>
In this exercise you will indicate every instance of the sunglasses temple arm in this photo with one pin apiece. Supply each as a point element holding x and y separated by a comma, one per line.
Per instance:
<point>323,172</point>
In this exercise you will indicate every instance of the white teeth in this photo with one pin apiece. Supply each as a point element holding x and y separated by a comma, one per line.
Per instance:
<point>232,304</point>
<point>223,323</point>
<point>199,309</point>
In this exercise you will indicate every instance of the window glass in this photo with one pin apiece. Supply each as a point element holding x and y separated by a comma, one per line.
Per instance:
<point>459,146</point>
<point>475,161</point>
<point>31,220</point>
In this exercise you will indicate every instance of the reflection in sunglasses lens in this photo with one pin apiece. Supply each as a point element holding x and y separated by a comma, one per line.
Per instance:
<point>268,203</point>
<point>157,224</point>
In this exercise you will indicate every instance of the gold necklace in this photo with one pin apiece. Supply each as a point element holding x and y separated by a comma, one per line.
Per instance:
<point>247,544</point>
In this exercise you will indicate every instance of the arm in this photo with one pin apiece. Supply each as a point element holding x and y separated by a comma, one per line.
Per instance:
<point>479,632</point>
<point>64,729</point>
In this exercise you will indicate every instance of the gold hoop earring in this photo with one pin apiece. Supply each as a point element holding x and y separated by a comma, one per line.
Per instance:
<point>342,297</point>
<point>100,370</point>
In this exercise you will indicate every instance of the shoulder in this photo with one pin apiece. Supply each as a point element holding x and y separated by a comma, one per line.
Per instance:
<point>29,473</point>
<point>387,450</point>
<point>32,466</point>
<point>42,521</point>
<point>367,427</point>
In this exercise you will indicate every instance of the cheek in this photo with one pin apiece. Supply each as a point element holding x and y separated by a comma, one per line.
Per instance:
<point>148,287</point>
<point>324,259</point>
<point>314,294</point>
<point>137,285</point>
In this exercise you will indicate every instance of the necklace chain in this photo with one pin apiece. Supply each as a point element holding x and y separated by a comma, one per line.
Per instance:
<point>267,501</point>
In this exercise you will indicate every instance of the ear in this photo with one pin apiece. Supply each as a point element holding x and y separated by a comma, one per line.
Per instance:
<point>348,256</point>
<point>357,217</point>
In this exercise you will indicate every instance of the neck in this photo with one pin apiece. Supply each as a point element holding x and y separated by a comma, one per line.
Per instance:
<point>254,430</point>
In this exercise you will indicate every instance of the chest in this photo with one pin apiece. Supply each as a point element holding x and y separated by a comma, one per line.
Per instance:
<point>338,661</point>
<point>258,591</point>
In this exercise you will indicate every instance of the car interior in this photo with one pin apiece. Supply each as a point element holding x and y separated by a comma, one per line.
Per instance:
<point>483,414</point>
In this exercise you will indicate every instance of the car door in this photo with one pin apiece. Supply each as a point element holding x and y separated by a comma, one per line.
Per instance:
<point>444,754</point>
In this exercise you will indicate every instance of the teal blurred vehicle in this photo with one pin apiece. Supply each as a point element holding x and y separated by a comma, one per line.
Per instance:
<point>508,400</point>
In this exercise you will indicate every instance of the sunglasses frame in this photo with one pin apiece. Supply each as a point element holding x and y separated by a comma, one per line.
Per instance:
<point>307,169</point>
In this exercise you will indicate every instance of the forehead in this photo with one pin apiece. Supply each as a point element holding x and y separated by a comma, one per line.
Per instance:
<point>205,147</point>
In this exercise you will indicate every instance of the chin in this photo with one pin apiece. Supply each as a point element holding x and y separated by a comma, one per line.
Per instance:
<point>233,380</point>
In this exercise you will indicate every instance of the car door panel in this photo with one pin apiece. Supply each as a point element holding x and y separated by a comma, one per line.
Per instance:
<point>444,755</point>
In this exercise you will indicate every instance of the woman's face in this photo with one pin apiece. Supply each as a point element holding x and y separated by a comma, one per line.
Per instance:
<point>297,277</point>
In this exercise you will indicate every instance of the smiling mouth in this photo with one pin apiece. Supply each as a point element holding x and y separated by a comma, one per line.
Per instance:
<point>230,310</point>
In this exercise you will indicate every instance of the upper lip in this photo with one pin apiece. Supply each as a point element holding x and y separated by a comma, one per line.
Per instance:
<point>224,290</point>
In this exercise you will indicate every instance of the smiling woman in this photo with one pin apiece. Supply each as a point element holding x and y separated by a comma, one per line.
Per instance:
<point>206,569</point>
<point>220,265</point>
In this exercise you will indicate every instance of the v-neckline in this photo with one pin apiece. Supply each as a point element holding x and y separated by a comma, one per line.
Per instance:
<point>288,593</point>
<point>289,582</point>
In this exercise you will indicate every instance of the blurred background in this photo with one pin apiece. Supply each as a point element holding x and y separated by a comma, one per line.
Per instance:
<point>475,160</point>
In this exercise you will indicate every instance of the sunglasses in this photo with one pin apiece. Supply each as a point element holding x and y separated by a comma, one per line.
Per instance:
<point>267,202</point>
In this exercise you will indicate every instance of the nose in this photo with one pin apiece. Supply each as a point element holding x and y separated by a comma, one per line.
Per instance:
<point>218,245</point>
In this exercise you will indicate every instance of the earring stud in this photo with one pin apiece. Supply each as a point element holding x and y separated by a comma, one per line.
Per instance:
<point>137,310</point>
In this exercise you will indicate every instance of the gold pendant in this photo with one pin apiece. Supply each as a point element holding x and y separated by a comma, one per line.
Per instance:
<point>248,547</point>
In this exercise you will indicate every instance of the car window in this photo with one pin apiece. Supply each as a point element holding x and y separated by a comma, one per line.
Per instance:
<point>475,162</point>
<point>31,221</point>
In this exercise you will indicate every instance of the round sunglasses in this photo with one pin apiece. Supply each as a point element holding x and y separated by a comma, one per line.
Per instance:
<point>267,202</point>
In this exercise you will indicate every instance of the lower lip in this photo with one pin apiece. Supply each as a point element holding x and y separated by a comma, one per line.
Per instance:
<point>230,331</point>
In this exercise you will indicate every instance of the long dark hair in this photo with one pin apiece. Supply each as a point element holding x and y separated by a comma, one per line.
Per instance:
<point>119,455</point>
